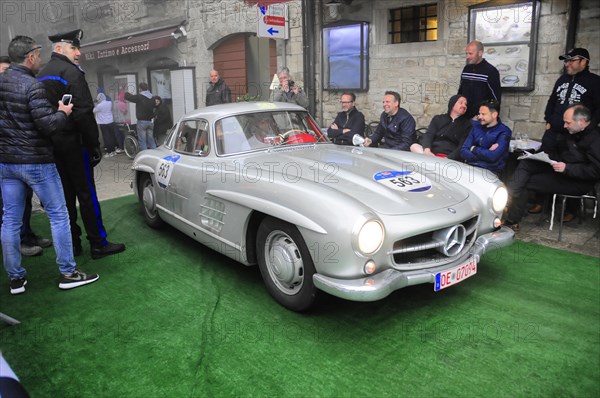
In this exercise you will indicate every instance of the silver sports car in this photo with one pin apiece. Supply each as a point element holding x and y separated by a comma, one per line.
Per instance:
<point>261,184</point>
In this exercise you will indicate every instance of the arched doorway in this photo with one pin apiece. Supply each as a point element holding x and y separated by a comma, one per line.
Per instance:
<point>247,64</point>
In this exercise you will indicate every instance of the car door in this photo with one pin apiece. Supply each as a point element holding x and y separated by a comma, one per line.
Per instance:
<point>176,172</point>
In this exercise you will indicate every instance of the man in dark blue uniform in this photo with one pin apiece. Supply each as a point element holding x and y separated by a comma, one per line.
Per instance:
<point>76,147</point>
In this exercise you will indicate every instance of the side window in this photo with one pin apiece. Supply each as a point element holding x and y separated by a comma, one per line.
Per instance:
<point>230,136</point>
<point>186,136</point>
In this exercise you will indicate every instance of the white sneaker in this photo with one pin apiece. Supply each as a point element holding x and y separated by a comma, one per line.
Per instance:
<point>119,150</point>
<point>109,155</point>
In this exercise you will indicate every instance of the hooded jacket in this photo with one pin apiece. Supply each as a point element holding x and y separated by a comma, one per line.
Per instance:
<point>60,76</point>
<point>144,104</point>
<point>583,87</point>
<point>446,135</point>
<point>27,119</point>
<point>103,110</point>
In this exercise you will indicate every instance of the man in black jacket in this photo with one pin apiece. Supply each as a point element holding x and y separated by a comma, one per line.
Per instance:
<point>217,91</point>
<point>27,123</point>
<point>396,126</point>
<point>576,85</point>
<point>76,146</point>
<point>144,112</point>
<point>574,171</point>
<point>347,123</point>
<point>31,244</point>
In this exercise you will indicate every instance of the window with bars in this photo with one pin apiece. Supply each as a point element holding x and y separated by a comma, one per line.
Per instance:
<point>414,24</point>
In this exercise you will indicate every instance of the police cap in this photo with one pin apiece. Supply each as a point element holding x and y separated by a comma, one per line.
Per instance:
<point>72,37</point>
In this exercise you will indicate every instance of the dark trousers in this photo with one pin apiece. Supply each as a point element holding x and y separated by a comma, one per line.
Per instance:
<point>108,135</point>
<point>77,177</point>
<point>532,175</point>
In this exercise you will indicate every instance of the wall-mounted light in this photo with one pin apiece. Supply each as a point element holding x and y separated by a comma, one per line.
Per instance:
<point>334,8</point>
<point>179,32</point>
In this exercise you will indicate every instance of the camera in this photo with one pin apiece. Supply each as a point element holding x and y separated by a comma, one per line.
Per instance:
<point>290,83</point>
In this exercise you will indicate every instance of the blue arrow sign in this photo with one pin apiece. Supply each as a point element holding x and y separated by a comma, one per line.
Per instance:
<point>263,10</point>
<point>272,31</point>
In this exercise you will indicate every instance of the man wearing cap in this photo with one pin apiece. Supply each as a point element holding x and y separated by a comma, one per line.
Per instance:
<point>576,85</point>
<point>76,147</point>
<point>27,162</point>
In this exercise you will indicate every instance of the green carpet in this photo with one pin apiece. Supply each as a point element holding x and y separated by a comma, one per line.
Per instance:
<point>171,318</point>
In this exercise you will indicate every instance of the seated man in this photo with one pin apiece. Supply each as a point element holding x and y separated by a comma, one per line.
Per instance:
<point>487,144</point>
<point>575,171</point>
<point>447,132</point>
<point>261,130</point>
<point>396,126</point>
<point>347,123</point>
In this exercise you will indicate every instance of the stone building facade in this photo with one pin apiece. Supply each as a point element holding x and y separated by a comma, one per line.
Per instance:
<point>174,44</point>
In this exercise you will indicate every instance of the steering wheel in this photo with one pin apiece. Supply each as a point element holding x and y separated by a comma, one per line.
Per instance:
<point>283,137</point>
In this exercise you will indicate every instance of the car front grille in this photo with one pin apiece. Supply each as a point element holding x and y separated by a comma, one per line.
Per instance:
<point>435,248</point>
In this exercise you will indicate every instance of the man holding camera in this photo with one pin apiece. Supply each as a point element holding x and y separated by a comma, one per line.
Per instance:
<point>76,146</point>
<point>288,91</point>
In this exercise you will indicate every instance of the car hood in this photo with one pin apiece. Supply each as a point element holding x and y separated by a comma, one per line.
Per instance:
<point>387,181</point>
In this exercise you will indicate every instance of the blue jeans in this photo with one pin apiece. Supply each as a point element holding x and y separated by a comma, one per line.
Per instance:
<point>45,182</point>
<point>145,132</point>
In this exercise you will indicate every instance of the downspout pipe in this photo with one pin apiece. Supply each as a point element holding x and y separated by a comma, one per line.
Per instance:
<point>309,51</point>
<point>572,29</point>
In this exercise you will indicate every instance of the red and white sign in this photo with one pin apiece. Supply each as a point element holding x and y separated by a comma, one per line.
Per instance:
<point>273,21</point>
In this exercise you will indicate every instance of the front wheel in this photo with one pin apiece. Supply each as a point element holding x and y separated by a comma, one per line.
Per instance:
<point>285,264</point>
<point>131,145</point>
<point>148,202</point>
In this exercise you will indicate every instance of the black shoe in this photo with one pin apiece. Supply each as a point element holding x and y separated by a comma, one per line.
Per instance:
<point>31,239</point>
<point>77,250</point>
<point>30,251</point>
<point>17,286</point>
<point>76,279</point>
<point>107,250</point>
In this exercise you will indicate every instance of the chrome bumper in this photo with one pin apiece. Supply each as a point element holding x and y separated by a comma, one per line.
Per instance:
<point>380,285</point>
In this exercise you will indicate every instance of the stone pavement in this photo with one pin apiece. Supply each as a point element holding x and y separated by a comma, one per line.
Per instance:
<point>114,175</point>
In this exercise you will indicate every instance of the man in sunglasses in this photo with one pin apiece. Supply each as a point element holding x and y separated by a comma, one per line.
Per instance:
<point>576,85</point>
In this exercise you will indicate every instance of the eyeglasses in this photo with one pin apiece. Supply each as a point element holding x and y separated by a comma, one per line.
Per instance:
<point>33,49</point>
<point>568,61</point>
<point>346,102</point>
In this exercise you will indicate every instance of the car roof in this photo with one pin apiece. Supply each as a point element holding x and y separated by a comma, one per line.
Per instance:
<point>215,112</point>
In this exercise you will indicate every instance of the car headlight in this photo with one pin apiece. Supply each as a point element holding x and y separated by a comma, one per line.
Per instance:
<point>370,237</point>
<point>499,199</point>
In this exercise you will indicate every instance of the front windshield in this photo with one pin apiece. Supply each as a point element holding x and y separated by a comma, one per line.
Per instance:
<point>262,130</point>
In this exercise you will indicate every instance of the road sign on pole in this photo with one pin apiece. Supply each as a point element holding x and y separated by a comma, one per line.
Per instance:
<point>273,21</point>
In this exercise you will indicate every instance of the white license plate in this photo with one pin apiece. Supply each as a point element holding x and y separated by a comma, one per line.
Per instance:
<point>455,275</point>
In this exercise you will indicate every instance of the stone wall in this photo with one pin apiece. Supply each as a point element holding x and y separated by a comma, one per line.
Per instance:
<point>427,74</point>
